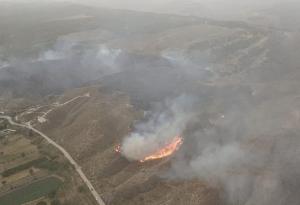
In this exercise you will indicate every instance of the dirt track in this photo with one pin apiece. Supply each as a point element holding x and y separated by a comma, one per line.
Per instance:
<point>65,153</point>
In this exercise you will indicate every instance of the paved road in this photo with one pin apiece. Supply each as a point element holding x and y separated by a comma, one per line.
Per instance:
<point>65,153</point>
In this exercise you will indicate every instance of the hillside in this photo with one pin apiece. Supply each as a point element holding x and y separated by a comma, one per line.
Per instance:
<point>93,79</point>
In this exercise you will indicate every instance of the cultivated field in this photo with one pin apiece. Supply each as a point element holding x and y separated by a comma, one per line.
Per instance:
<point>33,172</point>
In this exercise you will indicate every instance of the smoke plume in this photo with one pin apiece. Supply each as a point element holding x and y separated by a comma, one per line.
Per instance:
<point>160,128</point>
<point>235,141</point>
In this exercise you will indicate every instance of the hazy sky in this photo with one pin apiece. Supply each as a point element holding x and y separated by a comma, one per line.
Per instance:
<point>231,9</point>
<point>167,5</point>
<point>147,4</point>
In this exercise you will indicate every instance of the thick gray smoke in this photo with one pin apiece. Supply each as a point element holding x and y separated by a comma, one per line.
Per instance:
<point>240,140</point>
<point>166,123</point>
<point>240,116</point>
<point>250,156</point>
<point>246,149</point>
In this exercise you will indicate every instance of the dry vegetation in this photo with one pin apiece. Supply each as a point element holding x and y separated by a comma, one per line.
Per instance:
<point>90,128</point>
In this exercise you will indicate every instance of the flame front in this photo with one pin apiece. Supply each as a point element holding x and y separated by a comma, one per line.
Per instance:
<point>165,151</point>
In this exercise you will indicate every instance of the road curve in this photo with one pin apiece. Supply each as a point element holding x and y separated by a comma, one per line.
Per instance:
<point>64,152</point>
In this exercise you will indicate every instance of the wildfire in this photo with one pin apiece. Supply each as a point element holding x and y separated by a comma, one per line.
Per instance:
<point>165,151</point>
<point>118,148</point>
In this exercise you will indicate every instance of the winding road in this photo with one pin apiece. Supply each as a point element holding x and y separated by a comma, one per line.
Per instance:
<point>64,152</point>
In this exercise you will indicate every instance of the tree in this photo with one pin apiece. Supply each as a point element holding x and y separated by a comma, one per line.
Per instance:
<point>30,133</point>
<point>52,194</point>
<point>81,189</point>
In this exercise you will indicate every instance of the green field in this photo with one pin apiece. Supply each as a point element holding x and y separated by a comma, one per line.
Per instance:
<point>22,167</point>
<point>31,192</point>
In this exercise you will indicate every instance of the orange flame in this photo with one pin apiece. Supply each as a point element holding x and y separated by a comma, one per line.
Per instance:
<point>165,151</point>
<point>118,149</point>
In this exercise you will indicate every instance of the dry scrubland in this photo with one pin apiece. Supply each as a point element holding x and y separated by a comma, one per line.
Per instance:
<point>90,127</point>
<point>230,65</point>
<point>97,124</point>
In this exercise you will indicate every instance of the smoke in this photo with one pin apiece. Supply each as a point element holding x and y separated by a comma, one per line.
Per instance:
<point>242,143</point>
<point>109,56</point>
<point>242,149</point>
<point>64,65</point>
<point>60,50</point>
<point>96,57</point>
<point>240,118</point>
<point>3,64</point>
<point>159,129</point>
